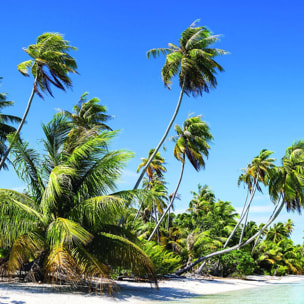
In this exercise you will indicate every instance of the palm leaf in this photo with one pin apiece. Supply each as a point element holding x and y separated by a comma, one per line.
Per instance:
<point>67,232</point>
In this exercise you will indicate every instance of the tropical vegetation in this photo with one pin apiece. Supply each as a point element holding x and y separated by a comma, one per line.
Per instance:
<point>73,224</point>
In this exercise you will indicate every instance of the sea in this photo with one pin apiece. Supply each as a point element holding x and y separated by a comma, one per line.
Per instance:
<point>289,293</point>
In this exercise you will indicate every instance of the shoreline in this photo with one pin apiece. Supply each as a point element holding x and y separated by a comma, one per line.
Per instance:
<point>132,292</point>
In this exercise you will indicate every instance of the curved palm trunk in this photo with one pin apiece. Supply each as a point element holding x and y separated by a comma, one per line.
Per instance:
<point>163,138</point>
<point>259,234</point>
<point>274,215</point>
<point>168,223</point>
<point>171,201</point>
<point>20,125</point>
<point>244,226</point>
<point>244,212</point>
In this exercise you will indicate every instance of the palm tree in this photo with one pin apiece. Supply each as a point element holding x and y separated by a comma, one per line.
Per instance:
<point>193,62</point>
<point>286,187</point>
<point>258,171</point>
<point>5,128</point>
<point>156,200</point>
<point>191,142</point>
<point>67,221</point>
<point>155,167</point>
<point>88,114</point>
<point>154,171</point>
<point>203,195</point>
<point>50,64</point>
<point>279,231</point>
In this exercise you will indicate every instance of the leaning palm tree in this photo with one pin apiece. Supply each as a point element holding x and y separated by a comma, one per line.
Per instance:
<point>50,64</point>
<point>5,125</point>
<point>257,171</point>
<point>193,62</point>
<point>286,187</point>
<point>192,141</point>
<point>67,220</point>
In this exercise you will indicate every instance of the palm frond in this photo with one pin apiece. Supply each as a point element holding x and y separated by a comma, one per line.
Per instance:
<point>66,232</point>
<point>121,252</point>
<point>25,247</point>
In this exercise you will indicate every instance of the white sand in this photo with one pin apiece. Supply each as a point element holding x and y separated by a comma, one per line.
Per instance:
<point>174,289</point>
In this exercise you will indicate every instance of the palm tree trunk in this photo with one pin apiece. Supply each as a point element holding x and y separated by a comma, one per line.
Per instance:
<point>274,215</point>
<point>163,138</point>
<point>201,267</point>
<point>168,224</point>
<point>244,212</point>
<point>260,232</point>
<point>156,220</point>
<point>244,226</point>
<point>20,125</point>
<point>171,201</point>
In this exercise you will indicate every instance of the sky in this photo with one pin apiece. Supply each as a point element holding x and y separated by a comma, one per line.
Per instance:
<point>258,102</point>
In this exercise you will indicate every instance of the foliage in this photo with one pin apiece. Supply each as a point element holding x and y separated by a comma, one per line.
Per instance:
<point>50,63</point>
<point>5,124</point>
<point>67,221</point>
<point>164,261</point>
<point>237,263</point>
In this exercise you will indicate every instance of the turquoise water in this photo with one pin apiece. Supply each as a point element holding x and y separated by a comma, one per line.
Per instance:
<point>292,293</point>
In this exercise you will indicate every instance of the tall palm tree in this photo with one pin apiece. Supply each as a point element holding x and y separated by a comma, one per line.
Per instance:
<point>192,141</point>
<point>68,219</point>
<point>286,187</point>
<point>193,62</point>
<point>258,170</point>
<point>50,64</point>
<point>5,125</point>
<point>154,171</point>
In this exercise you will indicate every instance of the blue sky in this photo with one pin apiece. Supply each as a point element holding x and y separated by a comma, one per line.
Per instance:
<point>258,102</point>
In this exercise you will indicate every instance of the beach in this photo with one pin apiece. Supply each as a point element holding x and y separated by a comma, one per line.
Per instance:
<point>133,292</point>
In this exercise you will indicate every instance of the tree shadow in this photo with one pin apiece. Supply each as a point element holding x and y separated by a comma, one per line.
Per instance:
<point>6,300</point>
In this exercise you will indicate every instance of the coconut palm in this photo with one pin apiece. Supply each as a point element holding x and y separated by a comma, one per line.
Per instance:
<point>286,187</point>
<point>50,64</point>
<point>155,167</point>
<point>192,141</point>
<point>67,221</point>
<point>88,114</point>
<point>193,62</point>
<point>257,171</point>
<point>154,171</point>
<point>203,195</point>
<point>156,200</point>
<point>279,231</point>
<point>5,125</point>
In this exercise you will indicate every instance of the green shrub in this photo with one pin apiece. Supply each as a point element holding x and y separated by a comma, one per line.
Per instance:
<point>164,261</point>
<point>281,271</point>
<point>237,263</point>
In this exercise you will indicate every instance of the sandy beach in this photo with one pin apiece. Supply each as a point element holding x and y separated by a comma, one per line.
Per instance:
<point>130,292</point>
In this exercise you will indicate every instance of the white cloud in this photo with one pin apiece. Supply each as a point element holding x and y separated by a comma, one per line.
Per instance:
<point>128,177</point>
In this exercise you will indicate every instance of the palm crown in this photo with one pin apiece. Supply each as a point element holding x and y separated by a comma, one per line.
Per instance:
<point>192,141</point>
<point>50,63</point>
<point>193,60</point>
<point>5,126</point>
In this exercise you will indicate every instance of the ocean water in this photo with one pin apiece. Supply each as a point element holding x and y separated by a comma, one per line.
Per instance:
<point>291,293</point>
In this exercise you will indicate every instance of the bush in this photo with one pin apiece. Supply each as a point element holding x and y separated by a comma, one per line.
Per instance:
<point>164,261</point>
<point>281,271</point>
<point>237,263</point>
